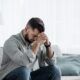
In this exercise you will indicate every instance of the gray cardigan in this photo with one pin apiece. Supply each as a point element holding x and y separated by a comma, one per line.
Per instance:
<point>17,52</point>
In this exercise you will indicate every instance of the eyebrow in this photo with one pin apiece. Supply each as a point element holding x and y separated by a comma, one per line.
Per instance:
<point>36,36</point>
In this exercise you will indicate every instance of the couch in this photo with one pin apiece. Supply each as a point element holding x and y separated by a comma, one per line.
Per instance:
<point>70,66</point>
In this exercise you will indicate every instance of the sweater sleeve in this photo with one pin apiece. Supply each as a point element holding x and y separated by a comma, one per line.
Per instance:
<point>16,55</point>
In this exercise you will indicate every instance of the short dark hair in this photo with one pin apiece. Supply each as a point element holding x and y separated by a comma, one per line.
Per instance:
<point>37,23</point>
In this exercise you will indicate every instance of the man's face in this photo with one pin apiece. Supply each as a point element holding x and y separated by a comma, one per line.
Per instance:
<point>31,34</point>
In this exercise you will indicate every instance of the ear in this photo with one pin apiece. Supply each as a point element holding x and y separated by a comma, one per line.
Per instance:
<point>27,29</point>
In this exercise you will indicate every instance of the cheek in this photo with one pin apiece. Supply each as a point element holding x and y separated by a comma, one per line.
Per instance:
<point>30,36</point>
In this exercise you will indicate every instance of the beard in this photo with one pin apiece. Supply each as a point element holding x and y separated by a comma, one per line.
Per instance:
<point>27,39</point>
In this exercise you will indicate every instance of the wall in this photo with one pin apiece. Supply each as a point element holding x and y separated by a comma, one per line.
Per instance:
<point>61,18</point>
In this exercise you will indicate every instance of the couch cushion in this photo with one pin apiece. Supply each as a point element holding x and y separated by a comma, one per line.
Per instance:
<point>70,65</point>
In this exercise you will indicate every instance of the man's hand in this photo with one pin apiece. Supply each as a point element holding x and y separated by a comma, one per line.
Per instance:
<point>49,50</point>
<point>41,39</point>
<point>43,36</point>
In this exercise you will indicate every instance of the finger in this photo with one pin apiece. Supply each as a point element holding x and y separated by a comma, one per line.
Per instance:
<point>44,37</point>
<point>42,33</point>
<point>43,41</point>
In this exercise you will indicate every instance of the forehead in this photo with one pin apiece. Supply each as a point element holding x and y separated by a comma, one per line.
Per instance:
<point>35,30</point>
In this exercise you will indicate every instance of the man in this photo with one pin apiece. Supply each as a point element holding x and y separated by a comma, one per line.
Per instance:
<point>21,51</point>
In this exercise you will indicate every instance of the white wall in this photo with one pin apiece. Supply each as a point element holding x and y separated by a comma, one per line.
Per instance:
<point>68,25</point>
<point>61,18</point>
<point>16,13</point>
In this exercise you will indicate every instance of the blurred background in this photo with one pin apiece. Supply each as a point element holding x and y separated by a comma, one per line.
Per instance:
<point>61,18</point>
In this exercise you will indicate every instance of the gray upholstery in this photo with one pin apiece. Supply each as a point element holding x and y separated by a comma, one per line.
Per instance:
<point>1,53</point>
<point>69,64</point>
